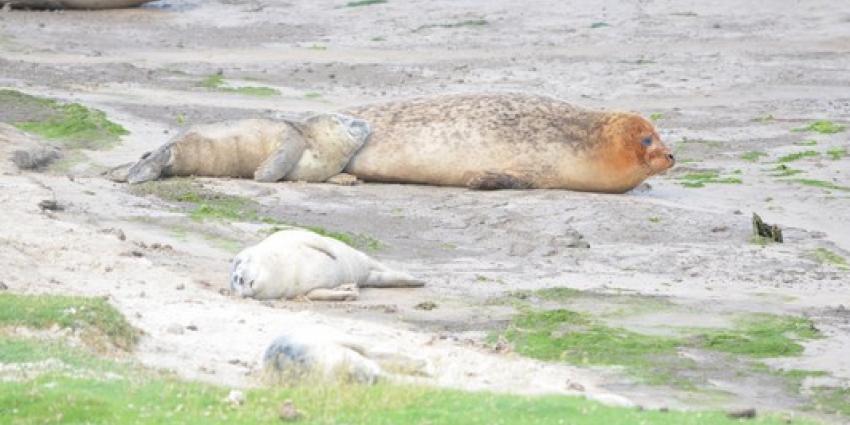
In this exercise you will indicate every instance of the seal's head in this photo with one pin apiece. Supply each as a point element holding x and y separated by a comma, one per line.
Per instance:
<point>637,139</point>
<point>631,150</point>
<point>242,276</point>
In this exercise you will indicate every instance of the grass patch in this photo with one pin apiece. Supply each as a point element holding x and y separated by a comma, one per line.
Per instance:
<point>357,240</point>
<point>76,313</point>
<point>832,400</point>
<point>216,82</point>
<point>765,118</point>
<point>837,153</point>
<point>72,124</point>
<point>599,25</point>
<point>360,3</point>
<point>85,394</point>
<point>823,127</point>
<point>797,156</point>
<point>825,256</point>
<point>156,399</point>
<point>207,204</point>
<point>761,335</point>
<point>807,143</point>
<point>752,156</point>
<point>461,24</point>
<point>312,95</point>
<point>564,335</point>
<point>821,184</point>
<point>701,178</point>
<point>656,116</point>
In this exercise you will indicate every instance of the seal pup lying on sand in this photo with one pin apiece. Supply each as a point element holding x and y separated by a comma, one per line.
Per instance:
<point>296,262</point>
<point>73,4</point>
<point>482,141</point>
<point>313,150</point>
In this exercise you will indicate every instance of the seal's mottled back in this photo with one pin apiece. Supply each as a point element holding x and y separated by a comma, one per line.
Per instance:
<point>492,141</point>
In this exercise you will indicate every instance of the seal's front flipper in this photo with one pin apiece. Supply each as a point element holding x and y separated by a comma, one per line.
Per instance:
<point>391,279</point>
<point>347,292</point>
<point>151,166</point>
<point>494,181</point>
<point>344,179</point>
<point>281,162</point>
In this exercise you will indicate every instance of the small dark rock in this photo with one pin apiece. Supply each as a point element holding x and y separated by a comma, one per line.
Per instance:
<point>50,205</point>
<point>35,157</point>
<point>747,413</point>
<point>117,232</point>
<point>426,305</point>
<point>3,286</point>
<point>288,413</point>
<point>193,328</point>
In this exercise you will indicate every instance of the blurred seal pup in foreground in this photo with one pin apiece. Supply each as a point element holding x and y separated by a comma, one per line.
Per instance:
<point>482,141</point>
<point>296,262</point>
<point>303,354</point>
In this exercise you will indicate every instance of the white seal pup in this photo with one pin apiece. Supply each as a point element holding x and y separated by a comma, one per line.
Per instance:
<point>296,262</point>
<point>294,357</point>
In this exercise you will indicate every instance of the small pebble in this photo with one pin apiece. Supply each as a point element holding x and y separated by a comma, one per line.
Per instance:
<point>288,413</point>
<point>747,413</point>
<point>236,398</point>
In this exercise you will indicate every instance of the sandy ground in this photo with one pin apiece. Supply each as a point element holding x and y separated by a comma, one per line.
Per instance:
<point>711,70</point>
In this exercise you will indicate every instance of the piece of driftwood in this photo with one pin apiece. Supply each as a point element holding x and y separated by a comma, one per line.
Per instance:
<point>769,231</point>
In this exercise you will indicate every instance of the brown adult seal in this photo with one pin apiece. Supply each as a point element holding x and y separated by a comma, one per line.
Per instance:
<point>498,141</point>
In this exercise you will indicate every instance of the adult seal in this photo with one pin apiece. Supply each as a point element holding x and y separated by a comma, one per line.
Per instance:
<point>312,150</point>
<point>507,141</point>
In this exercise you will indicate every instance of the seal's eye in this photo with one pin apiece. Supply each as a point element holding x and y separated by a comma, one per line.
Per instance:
<point>647,141</point>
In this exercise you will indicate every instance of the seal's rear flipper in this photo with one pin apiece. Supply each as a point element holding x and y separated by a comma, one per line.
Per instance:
<point>391,279</point>
<point>495,181</point>
<point>282,161</point>
<point>151,166</point>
